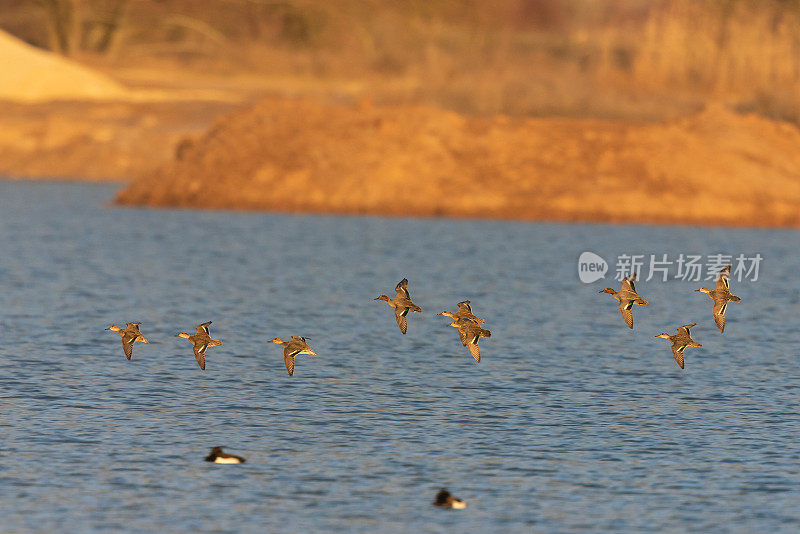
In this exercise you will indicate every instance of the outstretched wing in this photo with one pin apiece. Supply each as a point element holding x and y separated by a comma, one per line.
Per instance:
<point>400,315</point>
<point>289,352</point>
<point>475,351</point>
<point>402,288</point>
<point>464,306</point>
<point>288,359</point>
<point>127,345</point>
<point>626,311</point>
<point>719,315</point>
<point>685,329</point>
<point>200,355</point>
<point>723,279</point>
<point>677,352</point>
<point>627,283</point>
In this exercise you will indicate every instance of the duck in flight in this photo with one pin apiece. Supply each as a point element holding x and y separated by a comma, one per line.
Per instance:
<point>201,341</point>
<point>680,341</point>
<point>293,347</point>
<point>469,331</point>
<point>721,296</point>
<point>464,312</point>
<point>130,334</point>
<point>627,297</point>
<point>401,303</point>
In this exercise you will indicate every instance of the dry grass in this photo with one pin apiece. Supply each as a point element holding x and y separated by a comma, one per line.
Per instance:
<point>617,58</point>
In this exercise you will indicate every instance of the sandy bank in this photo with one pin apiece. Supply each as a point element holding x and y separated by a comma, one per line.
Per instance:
<point>715,168</point>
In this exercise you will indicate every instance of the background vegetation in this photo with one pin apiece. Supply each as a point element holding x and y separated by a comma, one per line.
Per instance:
<point>615,58</point>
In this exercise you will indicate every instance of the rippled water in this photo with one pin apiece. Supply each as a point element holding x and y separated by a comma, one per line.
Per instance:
<point>571,422</point>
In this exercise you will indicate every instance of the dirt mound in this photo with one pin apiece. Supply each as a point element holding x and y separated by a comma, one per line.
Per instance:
<point>30,75</point>
<point>293,155</point>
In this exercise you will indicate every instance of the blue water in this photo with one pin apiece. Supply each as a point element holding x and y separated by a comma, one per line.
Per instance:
<point>571,421</point>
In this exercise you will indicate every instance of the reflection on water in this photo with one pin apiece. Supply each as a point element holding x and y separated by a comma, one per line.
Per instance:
<point>571,421</point>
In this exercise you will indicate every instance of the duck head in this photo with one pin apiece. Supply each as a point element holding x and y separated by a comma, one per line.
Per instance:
<point>664,335</point>
<point>114,328</point>
<point>447,313</point>
<point>184,335</point>
<point>608,290</point>
<point>382,297</point>
<point>702,290</point>
<point>277,340</point>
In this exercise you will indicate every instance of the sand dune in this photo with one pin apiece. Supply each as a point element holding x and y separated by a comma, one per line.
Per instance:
<point>30,74</point>
<point>715,168</point>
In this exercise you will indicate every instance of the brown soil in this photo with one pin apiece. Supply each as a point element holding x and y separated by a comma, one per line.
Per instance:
<point>95,141</point>
<point>714,168</point>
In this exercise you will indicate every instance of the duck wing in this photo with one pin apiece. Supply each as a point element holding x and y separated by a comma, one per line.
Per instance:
<point>625,306</point>
<point>474,350</point>
<point>465,307</point>
<point>402,288</point>
<point>291,350</point>
<point>203,328</point>
<point>684,330</point>
<point>127,344</point>
<point>723,278</point>
<point>627,283</point>
<point>200,354</point>
<point>677,352</point>
<point>719,314</point>
<point>288,359</point>
<point>463,335</point>
<point>400,315</point>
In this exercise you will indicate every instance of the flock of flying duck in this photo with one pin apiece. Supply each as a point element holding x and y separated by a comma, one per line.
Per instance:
<point>469,330</point>
<point>468,325</point>
<point>721,296</point>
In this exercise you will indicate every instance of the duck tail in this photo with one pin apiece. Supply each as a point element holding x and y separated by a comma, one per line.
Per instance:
<point>734,298</point>
<point>486,333</point>
<point>694,344</point>
<point>415,308</point>
<point>642,302</point>
<point>215,343</point>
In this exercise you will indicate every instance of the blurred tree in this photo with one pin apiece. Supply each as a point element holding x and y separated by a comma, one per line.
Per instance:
<point>62,23</point>
<point>83,24</point>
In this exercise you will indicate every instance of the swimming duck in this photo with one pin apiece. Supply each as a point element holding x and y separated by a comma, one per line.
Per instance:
<point>219,457</point>
<point>680,341</point>
<point>401,304</point>
<point>446,500</point>
<point>469,331</point>
<point>130,334</point>
<point>464,312</point>
<point>201,341</point>
<point>627,297</point>
<point>293,347</point>
<point>721,296</point>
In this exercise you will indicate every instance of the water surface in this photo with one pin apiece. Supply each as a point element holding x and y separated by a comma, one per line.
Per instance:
<point>571,421</point>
